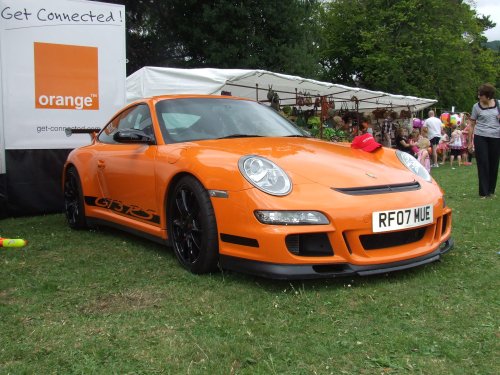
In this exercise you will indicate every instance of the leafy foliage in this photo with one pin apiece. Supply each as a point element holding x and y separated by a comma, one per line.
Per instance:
<point>428,48</point>
<point>277,36</point>
<point>329,134</point>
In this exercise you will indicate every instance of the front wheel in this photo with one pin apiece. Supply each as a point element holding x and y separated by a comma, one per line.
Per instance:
<point>192,226</point>
<point>73,200</point>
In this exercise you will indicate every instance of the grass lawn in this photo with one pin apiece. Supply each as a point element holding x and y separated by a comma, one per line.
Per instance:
<point>103,302</point>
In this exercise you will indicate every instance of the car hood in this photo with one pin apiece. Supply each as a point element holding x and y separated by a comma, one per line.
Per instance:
<point>306,160</point>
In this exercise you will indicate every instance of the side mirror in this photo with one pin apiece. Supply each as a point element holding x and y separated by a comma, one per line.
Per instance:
<point>133,136</point>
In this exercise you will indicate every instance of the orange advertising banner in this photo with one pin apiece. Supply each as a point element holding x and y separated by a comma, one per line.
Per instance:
<point>66,76</point>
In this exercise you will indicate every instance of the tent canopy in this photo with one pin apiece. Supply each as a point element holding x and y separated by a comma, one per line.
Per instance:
<point>254,84</point>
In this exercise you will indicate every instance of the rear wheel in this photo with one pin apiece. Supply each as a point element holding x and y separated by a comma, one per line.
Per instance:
<point>192,226</point>
<point>73,200</point>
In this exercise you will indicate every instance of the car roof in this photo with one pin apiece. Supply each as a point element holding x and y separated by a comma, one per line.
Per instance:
<point>157,98</point>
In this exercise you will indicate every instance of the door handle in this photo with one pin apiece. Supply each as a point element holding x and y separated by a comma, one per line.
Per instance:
<point>101,164</point>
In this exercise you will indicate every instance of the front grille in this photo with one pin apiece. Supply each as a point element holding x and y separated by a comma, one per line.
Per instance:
<point>309,244</point>
<point>379,189</point>
<point>383,240</point>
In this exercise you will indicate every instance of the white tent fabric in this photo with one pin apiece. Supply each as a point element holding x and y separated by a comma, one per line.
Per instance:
<point>254,84</point>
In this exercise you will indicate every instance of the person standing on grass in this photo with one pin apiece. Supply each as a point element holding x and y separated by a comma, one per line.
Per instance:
<point>386,130</point>
<point>485,135</point>
<point>470,145</point>
<point>465,144</point>
<point>443,145</point>
<point>423,153</point>
<point>455,145</point>
<point>433,125</point>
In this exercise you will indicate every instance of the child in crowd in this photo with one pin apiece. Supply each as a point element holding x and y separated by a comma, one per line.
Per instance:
<point>456,145</point>
<point>423,153</point>
<point>415,134</point>
<point>412,140</point>
<point>443,145</point>
<point>424,133</point>
<point>402,142</point>
<point>365,126</point>
<point>465,143</point>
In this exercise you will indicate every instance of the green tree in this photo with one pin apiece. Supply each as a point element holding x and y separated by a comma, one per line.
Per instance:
<point>276,35</point>
<point>429,48</point>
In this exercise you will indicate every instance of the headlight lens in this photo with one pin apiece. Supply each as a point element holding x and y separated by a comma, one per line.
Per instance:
<point>265,175</point>
<point>413,165</point>
<point>291,217</point>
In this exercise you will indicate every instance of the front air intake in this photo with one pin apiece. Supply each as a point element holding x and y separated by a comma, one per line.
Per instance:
<point>384,240</point>
<point>309,244</point>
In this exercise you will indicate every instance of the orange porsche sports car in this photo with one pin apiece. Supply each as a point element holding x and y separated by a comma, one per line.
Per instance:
<point>228,182</point>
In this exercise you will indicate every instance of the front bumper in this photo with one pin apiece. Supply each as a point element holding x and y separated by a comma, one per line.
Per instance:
<point>318,271</point>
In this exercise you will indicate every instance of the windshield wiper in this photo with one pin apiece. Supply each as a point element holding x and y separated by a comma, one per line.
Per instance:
<point>240,136</point>
<point>297,136</point>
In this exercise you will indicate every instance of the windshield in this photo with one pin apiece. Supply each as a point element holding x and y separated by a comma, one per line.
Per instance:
<point>190,119</point>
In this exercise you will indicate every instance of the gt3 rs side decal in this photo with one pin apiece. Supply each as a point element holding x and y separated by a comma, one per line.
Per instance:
<point>123,209</point>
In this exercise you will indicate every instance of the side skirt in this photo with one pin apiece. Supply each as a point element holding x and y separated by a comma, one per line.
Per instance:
<point>100,222</point>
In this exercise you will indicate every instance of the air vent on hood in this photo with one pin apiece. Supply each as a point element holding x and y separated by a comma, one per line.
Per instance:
<point>379,189</point>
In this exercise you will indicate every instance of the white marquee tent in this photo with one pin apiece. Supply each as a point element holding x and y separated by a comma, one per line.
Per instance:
<point>254,84</point>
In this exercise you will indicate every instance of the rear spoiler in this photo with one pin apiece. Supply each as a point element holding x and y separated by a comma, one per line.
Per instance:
<point>90,131</point>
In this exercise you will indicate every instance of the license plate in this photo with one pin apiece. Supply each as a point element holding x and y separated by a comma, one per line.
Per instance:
<point>385,221</point>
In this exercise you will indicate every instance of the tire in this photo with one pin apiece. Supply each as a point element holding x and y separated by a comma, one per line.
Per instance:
<point>73,200</point>
<point>192,226</point>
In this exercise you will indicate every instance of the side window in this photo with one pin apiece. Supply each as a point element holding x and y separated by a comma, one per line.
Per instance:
<point>137,117</point>
<point>106,136</point>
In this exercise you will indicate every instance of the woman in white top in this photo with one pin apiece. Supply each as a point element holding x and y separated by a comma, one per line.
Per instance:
<point>485,122</point>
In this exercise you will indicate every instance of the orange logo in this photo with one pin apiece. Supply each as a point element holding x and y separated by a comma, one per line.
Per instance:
<point>66,77</point>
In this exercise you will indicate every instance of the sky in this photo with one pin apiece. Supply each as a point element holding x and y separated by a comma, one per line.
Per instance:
<point>490,8</point>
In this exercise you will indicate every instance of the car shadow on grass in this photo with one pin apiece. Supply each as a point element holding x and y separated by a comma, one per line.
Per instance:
<point>257,282</point>
<point>339,282</point>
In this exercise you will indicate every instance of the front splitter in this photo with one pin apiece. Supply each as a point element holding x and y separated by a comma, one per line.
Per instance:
<point>320,271</point>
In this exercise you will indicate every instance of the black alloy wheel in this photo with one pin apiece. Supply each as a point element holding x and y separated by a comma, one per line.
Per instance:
<point>192,226</point>
<point>73,200</point>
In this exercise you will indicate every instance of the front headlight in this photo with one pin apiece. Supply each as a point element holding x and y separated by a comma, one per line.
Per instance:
<point>413,165</point>
<point>291,217</point>
<point>265,175</point>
